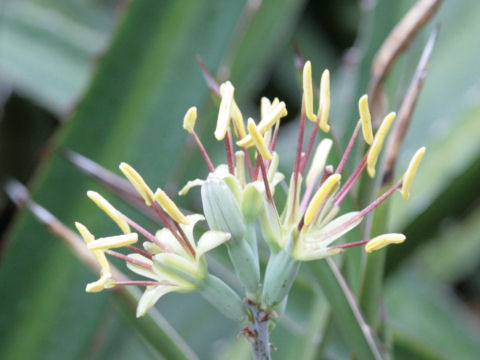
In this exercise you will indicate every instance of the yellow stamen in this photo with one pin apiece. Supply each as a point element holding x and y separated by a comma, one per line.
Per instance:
<point>238,121</point>
<point>102,283</point>
<point>324,103</point>
<point>308,91</point>
<point>258,140</point>
<point>189,119</point>
<point>276,112</point>
<point>113,242</point>
<point>224,112</point>
<point>240,167</point>
<point>410,173</point>
<point>366,119</point>
<point>169,207</point>
<point>108,208</point>
<point>88,238</point>
<point>378,143</point>
<point>138,183</point>
<point>322,193</point>
<point>383,240</point>
<point>265,106</point>
<point>319,159</point>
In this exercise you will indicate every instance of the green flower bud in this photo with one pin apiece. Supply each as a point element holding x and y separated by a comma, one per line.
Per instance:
<point>222,212</point>
<point>252,203</point>
<point>220,295</point>
<point>279,276</point>
<point>221,208</point>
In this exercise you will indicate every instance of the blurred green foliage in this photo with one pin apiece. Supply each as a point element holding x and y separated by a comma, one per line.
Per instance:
<point>112,80</point>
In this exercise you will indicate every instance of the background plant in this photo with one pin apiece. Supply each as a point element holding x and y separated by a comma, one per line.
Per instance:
<point>142,76</point>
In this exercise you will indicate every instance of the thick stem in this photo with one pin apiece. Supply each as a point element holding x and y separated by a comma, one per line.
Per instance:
<point>259,335</point>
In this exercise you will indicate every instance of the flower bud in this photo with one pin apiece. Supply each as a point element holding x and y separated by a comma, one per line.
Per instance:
<point>221,208</point>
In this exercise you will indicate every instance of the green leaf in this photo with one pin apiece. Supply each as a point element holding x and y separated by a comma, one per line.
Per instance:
<point>428,320</point>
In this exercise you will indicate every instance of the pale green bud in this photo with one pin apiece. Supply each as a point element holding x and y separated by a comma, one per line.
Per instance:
<point>220,295</point>
<point>221,208</point>
<point>252,203</point>
<point>279,276</point>
<point>222,212</point>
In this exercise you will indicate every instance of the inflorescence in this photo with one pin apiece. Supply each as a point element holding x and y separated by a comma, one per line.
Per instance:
<point>238,196</point>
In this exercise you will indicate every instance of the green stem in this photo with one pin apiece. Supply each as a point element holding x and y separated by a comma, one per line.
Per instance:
<point>259,335</point>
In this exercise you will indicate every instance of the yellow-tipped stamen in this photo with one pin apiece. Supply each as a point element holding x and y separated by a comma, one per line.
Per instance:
<point>102,283</point>
<point>224,112</point>
<point>410,173</point>
<point>383,240</point>
<point>265,106</point>
<point>378,143</point>
<point>276,112</point>
<point>189,119</point>
<point>324,103</point>
<point>108,208</point>
<point>112,242</point>
<point>88,238</point>
<point>138,183</point>
<point>366,119</point>
<point>308,91</point>
<point>319,159</point>
<point>322,193</point>
<point>169,207</point>
<point>237,118</point>
<point>240,167</point>
<point>258,140</point>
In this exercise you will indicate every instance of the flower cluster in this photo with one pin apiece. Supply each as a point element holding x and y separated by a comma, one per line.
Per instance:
<point>239,197</point>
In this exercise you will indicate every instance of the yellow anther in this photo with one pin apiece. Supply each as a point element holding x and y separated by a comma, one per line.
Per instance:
<point>410,173</point>
<point>320,196</point>
<point>276,112</point>
<point>169,207</point>
<point>104,282</point>
<point>240,167</point>
<point>224,112</point>
<point>88,238</point>
<point>138,183</point>
<point>366,119</point>
<point>308,91</point>
<point>383,240</point>
<point>113,242</point>
<point>258,140</point>
<point>324,103</point>
<point>238,121</point>
<point>265,106</point>
<point>189,119</point>
<point>319,160</point>
<point>378,143</point>
<point>108,208</point>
